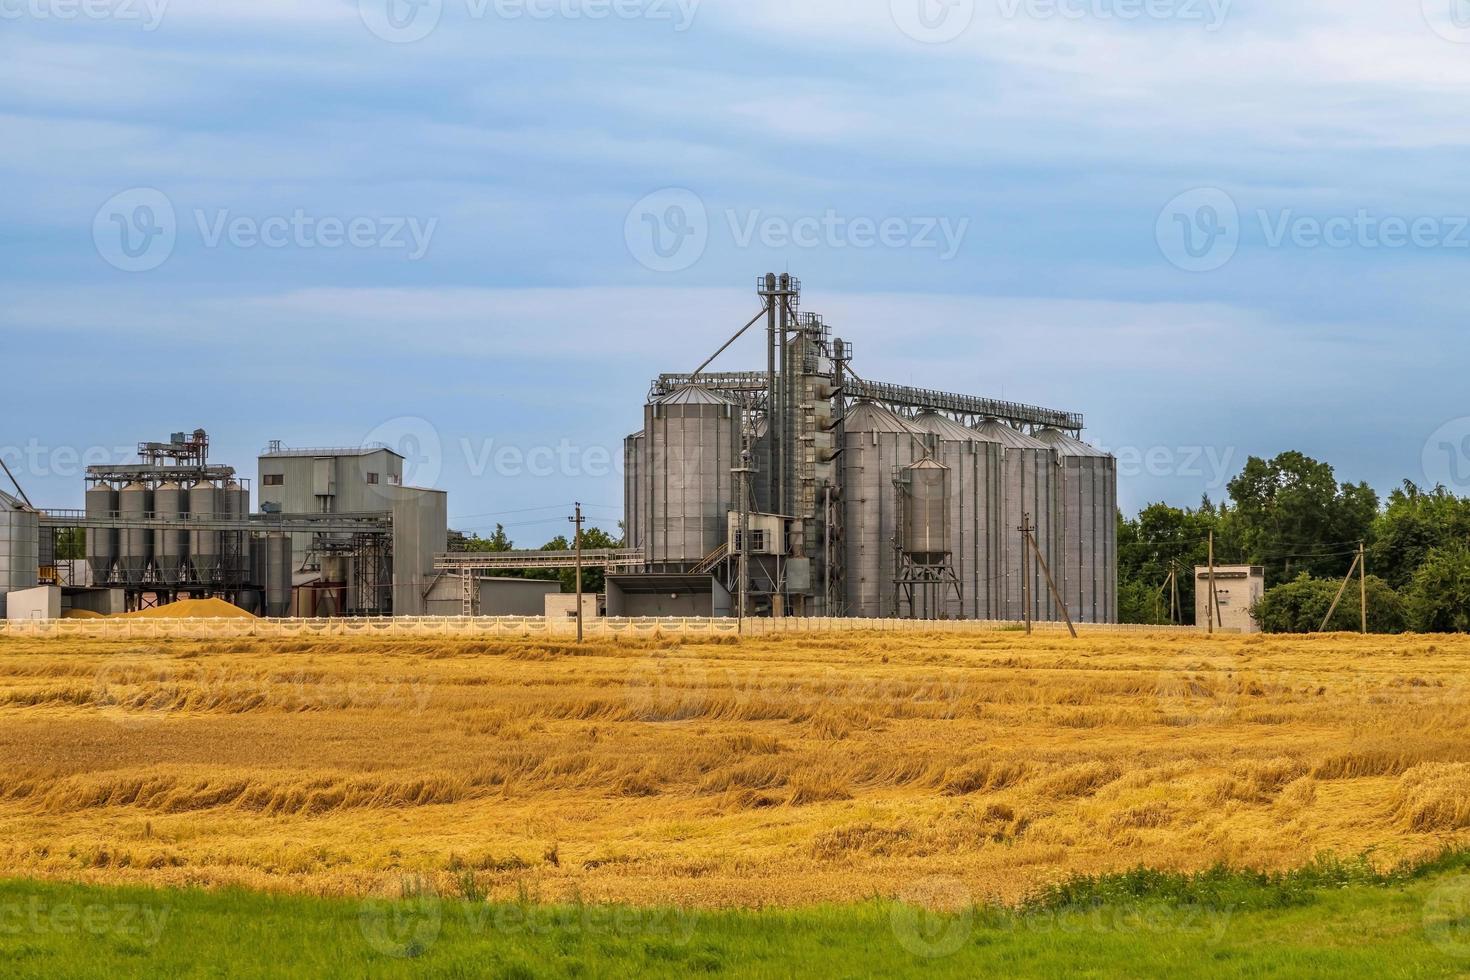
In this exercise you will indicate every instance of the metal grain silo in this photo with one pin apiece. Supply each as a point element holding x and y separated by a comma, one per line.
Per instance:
<point>135,545</point>
<point>102,543</point>
<point>20,538</point>
<point>975,515</point>
<point>926,496</point>
<point>277,574</point>
<point>693,446</point>
<point>1028,486</point>
<point>204,543</point>
<point>235,550</point>
<point>170,545</point>
<point>1087,539</point>
<point>876,445</point>
<point>635,489</point>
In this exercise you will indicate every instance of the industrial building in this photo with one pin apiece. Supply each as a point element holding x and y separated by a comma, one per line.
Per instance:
<point>336,534</point>
<point>804,489</point>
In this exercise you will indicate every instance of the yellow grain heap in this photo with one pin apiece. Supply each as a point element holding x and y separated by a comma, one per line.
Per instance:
<point>191,609</point>
<point>776,770</point>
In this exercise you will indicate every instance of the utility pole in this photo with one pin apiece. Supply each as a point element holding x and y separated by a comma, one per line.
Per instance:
<point>747,460</point>
<point>1050,582</point>
<point>1363,582</point>
<point>1210,600</point>
<point>1026,570</point>
<point>578,521</point>
<point>1352,569</point>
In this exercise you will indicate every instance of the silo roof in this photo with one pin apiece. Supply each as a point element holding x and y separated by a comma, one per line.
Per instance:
<point>693,395</point>
<point>1065,445</point>
<point>867,417</point>
<point>946,428</point>
<point>7,502</point>
<point>994,431</point>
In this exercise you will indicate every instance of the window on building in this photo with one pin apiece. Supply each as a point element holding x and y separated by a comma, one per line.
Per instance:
<point>372,479</point>
<point>274,479</point>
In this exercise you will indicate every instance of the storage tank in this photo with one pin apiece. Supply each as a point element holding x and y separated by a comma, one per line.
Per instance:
<point>20,537</point>
<point>170,546</point>
<point>277,574</point>
<point>204,543</point>
<point>1028,485</point>
<point>876,445</point>
<point>235,545</point>
<point>635,489</point>
<point>102,543</point>
<point>926,532</point>
<point>693,446</point>
<point>1087,532</point>
<point>135,545</point>
<point>975,515</point>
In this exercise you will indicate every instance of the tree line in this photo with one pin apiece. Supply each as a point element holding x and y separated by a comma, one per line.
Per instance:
<point>593,539</point>
<point>1291,516</point>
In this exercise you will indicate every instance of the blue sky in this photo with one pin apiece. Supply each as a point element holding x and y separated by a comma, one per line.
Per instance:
<point>1215,228</point>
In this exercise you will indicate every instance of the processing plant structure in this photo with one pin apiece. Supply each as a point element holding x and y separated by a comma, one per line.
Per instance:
<point>805,490</point>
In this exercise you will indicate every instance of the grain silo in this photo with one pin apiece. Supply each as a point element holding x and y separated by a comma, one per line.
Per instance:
<point>204,542</point>
<point>877,444</point>
<point>1028,482</point>
<point>635,489</point>
<point>975,514</point>
<point>693,446</point>
<point>135,551</point>
<point>102,542</point>
<point>170,544</point>
<point>20,538</point>
<point>1086,527</point>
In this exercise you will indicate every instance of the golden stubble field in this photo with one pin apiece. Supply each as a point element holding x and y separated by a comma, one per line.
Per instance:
<point>780,770</point>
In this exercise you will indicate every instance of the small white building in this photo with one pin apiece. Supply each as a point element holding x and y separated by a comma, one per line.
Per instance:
<point>1237,589</point>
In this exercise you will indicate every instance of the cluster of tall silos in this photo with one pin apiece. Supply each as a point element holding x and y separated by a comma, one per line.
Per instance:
<point>187,551</point>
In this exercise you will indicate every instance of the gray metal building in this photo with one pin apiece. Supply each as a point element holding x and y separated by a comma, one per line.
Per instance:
<point>19,547</point>
<point>805,489</point>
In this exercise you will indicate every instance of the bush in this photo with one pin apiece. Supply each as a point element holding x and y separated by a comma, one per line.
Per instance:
<point>1299,606</point>
<point>1439,598</point>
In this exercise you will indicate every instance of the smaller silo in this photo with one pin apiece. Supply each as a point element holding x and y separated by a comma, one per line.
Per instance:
<point>635,489</point>
<point>170,545</point>
<point>135,551</point>
<point>20,536</point>
<point>278,574</point>
<point>926,532</point>
<point>236,553</point>
<point>102,542</point>
<point>204,542</point>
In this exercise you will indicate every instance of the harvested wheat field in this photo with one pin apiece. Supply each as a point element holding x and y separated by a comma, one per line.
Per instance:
<point>783,770</point>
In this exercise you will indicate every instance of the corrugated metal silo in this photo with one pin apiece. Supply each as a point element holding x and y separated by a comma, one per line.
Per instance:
<point>277,575</point>
<point>1028,485</point>
<point>635,489</point>
<point>204,543</point>
<point>236,557</point>
<point>102,543</point>
<point>1087,509</point>
<point>20,537</point>
<point>876,445</point>
<point>135,546</point>
<point>975,515</point>
<point>926,530</point>
<point>693,446</point>
<point>170,547</point>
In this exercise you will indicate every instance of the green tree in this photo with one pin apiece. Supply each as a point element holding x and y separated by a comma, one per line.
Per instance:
<point>594,579</point>
<point>1439,598</point>
<point>1300,605</point>
<point>1292,516</point>
<point>1414,523</point>
<point>1162,537</point>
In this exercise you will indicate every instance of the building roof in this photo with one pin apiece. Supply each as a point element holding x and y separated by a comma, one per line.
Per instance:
<point>945,427</point>
<point>693,395</point>
<point>7,502</point>
<point>992,430</point>
<point>868,417</point>
<point>335,451</point>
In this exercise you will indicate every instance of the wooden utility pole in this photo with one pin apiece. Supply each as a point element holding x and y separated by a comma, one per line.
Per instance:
<point>578,521</point>
<point>1363,582</point>
<point>1176,612</point>
<point>1210,599</point>
<point>1050,582</point>
<point>1357,560</point>
<point>1026,571</point>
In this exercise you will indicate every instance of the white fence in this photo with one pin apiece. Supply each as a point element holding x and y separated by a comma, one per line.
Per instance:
<point>513,626</point>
